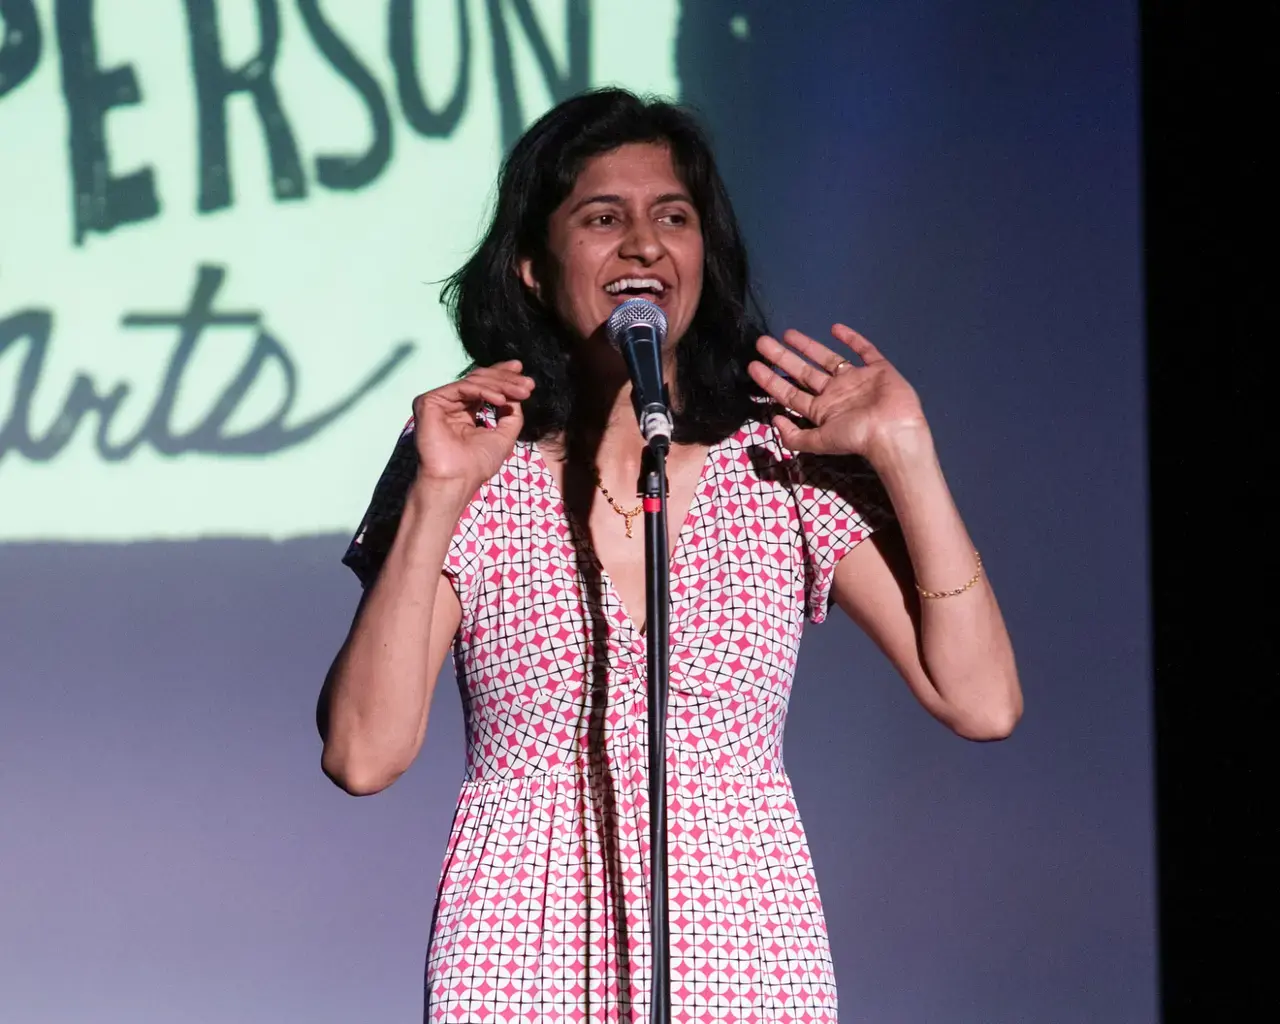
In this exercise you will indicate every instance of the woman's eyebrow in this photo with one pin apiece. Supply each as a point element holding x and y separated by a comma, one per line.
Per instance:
<point>666,197</point>
<point>594,199</point>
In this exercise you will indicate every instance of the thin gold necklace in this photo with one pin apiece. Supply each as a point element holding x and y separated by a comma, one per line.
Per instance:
<point>628,516</point>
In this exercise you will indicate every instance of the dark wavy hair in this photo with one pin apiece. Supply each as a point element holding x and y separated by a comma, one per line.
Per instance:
<point>498,318</point>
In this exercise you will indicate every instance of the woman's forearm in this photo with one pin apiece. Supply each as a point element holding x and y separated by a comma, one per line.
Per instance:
<point>964,645</point>
<point>373,707</point>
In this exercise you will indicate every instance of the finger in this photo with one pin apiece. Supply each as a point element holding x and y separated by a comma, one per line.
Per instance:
<point>781,389</point>
<point>866,351</point>
<point>463,395</point>
<point>813,350</point>
<point>806,373</point>
<point>470,390</point>
<point>795,437</point>
<point>513,385</point>
<point>510,420</point>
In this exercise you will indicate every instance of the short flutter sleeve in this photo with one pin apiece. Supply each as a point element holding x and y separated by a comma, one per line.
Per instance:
<point>841,502</point>
<point>369,547</point>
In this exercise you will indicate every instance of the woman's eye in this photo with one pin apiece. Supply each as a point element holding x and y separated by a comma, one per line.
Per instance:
<point>604,219</point>
<point>675,219</point>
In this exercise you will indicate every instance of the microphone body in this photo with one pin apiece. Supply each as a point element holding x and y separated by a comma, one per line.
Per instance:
<point>637,328</point>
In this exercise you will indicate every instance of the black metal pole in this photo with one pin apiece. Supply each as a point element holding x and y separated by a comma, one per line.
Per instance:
<point>657,603</point>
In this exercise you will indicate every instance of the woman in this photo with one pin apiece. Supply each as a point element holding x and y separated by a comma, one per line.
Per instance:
<point>503,528</point>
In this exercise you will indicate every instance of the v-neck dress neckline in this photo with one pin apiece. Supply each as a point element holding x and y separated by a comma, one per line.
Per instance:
<point>577,536</point>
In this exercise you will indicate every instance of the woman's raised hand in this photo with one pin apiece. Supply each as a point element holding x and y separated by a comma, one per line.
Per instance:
<point>866,410</point>
<point>453,445</point>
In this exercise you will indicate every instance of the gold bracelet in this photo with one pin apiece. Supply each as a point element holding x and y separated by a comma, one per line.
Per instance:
<point>959,590</point>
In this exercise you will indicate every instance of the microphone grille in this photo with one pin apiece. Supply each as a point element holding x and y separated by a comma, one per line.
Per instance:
<point>632,312</point>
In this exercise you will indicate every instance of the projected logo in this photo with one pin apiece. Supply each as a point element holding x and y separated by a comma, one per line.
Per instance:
<point>222,230</point>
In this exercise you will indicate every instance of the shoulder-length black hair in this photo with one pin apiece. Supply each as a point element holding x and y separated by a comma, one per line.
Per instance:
<point>498,318</point>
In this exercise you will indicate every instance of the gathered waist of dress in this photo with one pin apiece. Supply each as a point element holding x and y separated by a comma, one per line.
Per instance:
<point>679,772</point>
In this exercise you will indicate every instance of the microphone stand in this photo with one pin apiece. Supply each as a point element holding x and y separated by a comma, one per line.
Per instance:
<point>657,605</point>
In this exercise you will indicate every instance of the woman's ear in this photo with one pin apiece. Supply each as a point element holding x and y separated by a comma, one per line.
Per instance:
<point>525,269</point>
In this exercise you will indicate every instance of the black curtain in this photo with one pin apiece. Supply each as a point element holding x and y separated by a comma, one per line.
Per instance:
<point>1208,113</point>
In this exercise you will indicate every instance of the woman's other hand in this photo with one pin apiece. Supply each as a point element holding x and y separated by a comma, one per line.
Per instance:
<point>866,410</point>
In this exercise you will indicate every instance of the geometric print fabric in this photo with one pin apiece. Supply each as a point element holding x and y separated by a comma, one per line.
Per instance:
<point>543,902</point>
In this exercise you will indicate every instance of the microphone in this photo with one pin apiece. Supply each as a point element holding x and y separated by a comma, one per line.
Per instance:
<point>637,328</point>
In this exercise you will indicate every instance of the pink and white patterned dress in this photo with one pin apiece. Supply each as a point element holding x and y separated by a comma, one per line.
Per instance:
<point>543,904</point>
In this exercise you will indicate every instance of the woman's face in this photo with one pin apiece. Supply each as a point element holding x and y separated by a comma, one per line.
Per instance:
<point>629,228</point>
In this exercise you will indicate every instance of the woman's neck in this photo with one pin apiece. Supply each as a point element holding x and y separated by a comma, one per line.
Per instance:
<point>602,434</point>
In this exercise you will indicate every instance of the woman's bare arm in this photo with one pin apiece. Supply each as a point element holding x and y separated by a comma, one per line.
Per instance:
<point>373,708</point>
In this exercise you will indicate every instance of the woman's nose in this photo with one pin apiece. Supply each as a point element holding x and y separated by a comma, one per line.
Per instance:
<point>642,242</point>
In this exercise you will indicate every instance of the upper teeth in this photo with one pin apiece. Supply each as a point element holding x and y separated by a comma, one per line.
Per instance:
<point>652,283</point>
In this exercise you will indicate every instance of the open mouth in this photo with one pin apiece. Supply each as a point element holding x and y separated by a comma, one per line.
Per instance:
<point>651,288</point>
